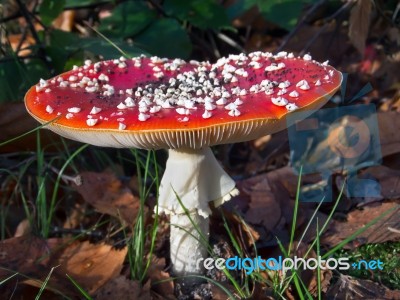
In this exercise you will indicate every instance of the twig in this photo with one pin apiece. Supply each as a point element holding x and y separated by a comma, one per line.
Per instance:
<point>394,230</point>
<point>37,19</point>
<point>13,58</point>
<point>11,18</point>
<point>203,44</point>
<point>2,32</point>
<point>323,28</point>
<point>230,42</point>
<point>391,21</point>
<point>396,12</point>
<point>158,8</point>
<point>313,39</point>
<point>75,179</point>
<point>215,50</point>
<point>35,12</point>
<point>28,19</point>
<point>22,40</point>
<point>300,24</point>
<point>93,233</point>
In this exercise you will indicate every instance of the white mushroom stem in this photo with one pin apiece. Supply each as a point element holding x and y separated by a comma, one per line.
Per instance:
<point>187,244</point>
<point>196,177</point>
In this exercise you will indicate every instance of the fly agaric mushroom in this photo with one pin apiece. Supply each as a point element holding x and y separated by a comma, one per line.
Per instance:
<point>186,107</point>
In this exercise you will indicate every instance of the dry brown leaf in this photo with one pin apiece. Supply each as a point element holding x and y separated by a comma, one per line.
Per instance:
<point>15,41</point>
<point>309,277</point>
<point>359,21</point>
<point>246,233</point>
<point>30,291</point>
<point>261,292</point>
<point>251,17</point>
<point>389,180</point>
<point>286,178</point>
<point>121,288</point>
<point>389,124</point>
<point>14,121</point>
<point>107,194</point>
<point>75,217</point>
<point>326,276</point>
<point>65,21</point>
<point>320,219</point>
<point>219,294</point>
<point>91,265</point>
<point>329,41</point>
<point>396,104</point>
<point>348,287</point>
<point>264,205</point>
<point>272,201</point>
<point>27,255</point>
<point>23,228</point>
<point>385,79</point>
<point>266,152</point>
<point>161,282</point>
<point>22,254</point>
<point>377,233</point>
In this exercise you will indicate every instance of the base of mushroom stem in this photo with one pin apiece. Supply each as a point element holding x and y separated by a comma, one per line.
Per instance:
<point>184,289</point>
<point>189,242</point>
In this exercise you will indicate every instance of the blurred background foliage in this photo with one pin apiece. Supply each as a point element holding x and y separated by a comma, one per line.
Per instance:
<point>41,38</point>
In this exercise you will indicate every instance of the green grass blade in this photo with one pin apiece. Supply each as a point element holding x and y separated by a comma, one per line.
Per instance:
<point>322,230</point>
<point>57,183</point>
<point>318,267</point>
<point>8,278</point>
<point>231,237</point>
<point>44,284</point>
<point>28,132</point>
<point>296,208</point>
<point>358,232</point>
<point>108,40</point>
<point>310,222</point>
<point>205,243</point>
<point>80,289</point>
<point>155,224</point>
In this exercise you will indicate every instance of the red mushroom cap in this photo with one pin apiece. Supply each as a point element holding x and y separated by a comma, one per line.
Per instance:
<point>161,103</point>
